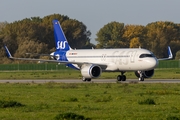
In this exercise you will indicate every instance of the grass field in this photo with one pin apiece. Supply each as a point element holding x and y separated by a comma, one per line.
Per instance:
<point>91,100</point>
<point>53,101</point>
<point>168,73</point>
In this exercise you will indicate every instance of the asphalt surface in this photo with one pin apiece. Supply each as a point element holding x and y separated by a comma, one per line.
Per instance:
<point>93,81</point>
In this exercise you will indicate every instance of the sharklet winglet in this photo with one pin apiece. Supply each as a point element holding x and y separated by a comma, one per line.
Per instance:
<point>169,52</point>
<point>7,52</point>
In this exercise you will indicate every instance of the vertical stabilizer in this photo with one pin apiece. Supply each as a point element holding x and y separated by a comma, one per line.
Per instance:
<point>60,39</point>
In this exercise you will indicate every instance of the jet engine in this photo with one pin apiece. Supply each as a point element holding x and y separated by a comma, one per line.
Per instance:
<point>146,74</point>
<point>91,71</point>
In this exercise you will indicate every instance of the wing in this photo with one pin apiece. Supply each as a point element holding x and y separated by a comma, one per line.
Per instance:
<point>169,54</point>
<point>36,54</point>
<point>103,66</point>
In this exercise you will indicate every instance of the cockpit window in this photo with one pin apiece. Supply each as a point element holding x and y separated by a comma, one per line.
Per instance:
<point>146,55</point>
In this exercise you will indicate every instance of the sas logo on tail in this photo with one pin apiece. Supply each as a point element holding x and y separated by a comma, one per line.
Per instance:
<point>61,44</point>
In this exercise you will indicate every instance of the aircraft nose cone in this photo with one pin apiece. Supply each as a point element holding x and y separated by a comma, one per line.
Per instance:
<point>152,63</point>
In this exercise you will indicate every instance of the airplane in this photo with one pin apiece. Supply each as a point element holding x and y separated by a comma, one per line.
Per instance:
<point>92,62</point>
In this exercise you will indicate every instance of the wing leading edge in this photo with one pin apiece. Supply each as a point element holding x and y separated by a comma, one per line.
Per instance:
<point>55,61</point>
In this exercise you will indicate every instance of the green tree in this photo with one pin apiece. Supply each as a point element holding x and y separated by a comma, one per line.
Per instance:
<point>160,34</point>
<point>111,36</point>
<point>48,32</point>
<point>135,42</point>
<point>177,55</point>
<point>30,46</point>
<point>14,33</point>
<point>2,25</point>
<point>175,47</point>
<point>135,36</point>
<point>76,33</point>
<point>36,35</point>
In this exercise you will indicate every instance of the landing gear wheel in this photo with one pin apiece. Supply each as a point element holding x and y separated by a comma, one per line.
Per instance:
<point>119,78</point>
<point>141,79</point>
<point>89,79</point>
<point>123,78</point>
<point>86,79</point>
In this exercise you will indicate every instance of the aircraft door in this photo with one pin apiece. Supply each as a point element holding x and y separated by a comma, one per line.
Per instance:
<point>132,56</point>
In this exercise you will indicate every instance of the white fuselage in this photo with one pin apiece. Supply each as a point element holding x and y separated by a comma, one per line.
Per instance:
<point>115,59</point>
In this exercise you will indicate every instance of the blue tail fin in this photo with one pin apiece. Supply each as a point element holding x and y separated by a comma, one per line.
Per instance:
<point>60,38</point>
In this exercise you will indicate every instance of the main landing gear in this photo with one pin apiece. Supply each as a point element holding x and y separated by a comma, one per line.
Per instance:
<point>121,77</point>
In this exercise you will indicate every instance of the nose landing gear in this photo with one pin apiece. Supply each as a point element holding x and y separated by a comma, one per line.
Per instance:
<point>141,77</point>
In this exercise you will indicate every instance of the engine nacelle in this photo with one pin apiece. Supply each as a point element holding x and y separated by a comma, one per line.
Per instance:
<point>146,74</point>
<point>91,71</point>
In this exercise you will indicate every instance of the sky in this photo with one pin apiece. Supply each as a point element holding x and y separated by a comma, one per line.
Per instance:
<point>94,13</point>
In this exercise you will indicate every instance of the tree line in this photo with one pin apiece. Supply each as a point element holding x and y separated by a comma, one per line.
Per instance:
<point>35,35</point>
<point>155,36</point>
